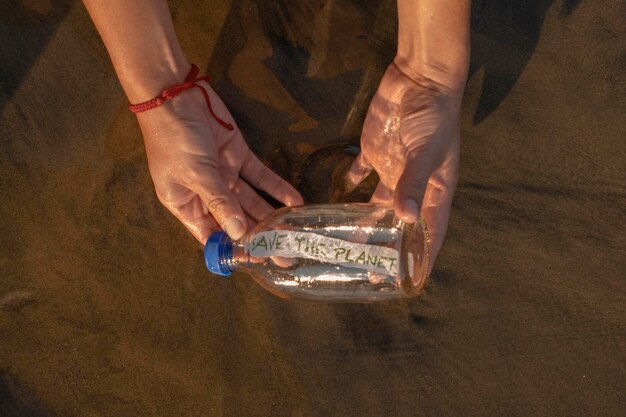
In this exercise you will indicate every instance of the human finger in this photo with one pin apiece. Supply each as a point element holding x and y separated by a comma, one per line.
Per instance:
<point>252,203</point>
<point>436,209</point>
<point>258,175</point>
<point>359,170</point>
<point>382,194</point>
<point>220,201</point>
<point>411,187</point>
<point>194,215</point>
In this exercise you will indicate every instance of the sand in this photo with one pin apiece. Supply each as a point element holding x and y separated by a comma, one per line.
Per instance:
<point>106,308</point>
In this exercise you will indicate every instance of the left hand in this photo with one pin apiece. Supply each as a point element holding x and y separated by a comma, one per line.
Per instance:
<point>411,137</point>
<point>204,173</point>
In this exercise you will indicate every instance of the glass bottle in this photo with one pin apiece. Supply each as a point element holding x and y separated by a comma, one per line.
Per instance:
<point>329,252</point>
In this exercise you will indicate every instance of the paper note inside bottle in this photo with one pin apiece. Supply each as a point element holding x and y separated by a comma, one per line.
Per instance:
<point>290,244</point>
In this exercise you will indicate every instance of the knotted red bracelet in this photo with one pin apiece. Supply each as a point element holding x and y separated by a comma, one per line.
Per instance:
<point>191,81</point>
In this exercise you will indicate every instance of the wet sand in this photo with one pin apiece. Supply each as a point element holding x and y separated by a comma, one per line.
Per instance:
<point>106,308</point>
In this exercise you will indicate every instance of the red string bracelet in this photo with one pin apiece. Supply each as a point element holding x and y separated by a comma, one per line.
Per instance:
<point>191,81</point>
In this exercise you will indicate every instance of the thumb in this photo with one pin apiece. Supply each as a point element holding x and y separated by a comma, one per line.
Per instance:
<point>359,170</point>
<point>221,202</point>
<point>411,187</point>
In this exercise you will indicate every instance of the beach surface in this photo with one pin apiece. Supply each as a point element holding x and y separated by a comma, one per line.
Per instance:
<point>106,307</point>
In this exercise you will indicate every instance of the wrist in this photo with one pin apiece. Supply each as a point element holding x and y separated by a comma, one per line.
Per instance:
<point>434,41</point>
<point>436,75</point>
<point>140,38</point>
<point>146,78</point>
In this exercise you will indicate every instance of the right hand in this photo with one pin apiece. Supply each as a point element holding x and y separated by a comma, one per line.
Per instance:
<point>204,173</point>
<point>411,138</point>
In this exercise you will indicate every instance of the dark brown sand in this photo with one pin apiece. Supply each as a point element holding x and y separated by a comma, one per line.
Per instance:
<point>105,305</point>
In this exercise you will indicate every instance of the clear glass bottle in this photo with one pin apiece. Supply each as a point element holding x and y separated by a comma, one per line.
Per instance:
<point>329,252</point>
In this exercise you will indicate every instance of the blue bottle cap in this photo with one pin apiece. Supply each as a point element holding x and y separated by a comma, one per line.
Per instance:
<point>216,253</point>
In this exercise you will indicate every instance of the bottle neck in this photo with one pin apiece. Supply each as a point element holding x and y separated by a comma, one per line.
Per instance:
<point>232,254</point>
<point>223,256</point>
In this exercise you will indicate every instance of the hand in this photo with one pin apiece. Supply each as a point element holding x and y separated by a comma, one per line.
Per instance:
<point>204,173</point>
<point>411,137</point>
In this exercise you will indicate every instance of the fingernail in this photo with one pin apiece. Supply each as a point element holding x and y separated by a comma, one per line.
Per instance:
<point>411,208</point>
<point>234,227</point>
<point>293,202</point>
